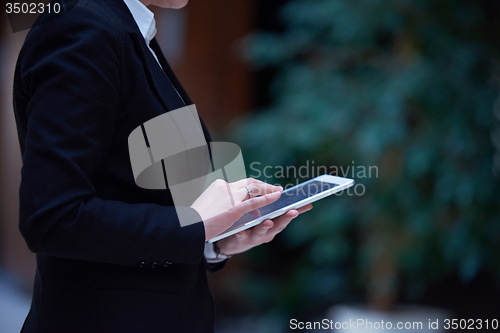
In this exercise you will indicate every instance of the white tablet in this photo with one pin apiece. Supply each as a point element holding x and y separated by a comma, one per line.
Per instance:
<point>292,198</point>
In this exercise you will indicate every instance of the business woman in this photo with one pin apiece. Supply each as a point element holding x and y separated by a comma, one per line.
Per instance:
<point>111,256</point>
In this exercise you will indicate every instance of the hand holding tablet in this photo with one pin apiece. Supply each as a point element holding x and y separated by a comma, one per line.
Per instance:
<point>292,198</point>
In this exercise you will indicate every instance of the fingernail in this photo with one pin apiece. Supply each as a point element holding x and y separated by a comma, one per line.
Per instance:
<point>274,195</point>
<point>280,188</point>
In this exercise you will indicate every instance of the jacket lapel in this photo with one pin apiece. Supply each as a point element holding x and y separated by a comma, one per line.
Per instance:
<point>174,81</point>
<point>168,71</point>
<point>164,82</point>
<point>158,80</point>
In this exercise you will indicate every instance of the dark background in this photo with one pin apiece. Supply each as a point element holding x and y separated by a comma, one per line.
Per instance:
<point>408,86</point>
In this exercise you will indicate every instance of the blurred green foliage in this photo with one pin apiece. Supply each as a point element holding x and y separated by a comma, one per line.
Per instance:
<point>403,85</point>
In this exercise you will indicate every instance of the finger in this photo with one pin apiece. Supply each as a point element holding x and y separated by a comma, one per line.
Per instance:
<point>305,208</point>
<point>267,224</point>
<point>263,233</point>
<point>269,228</point>
<point>261,188</point>
<point>282,221</point>
<point>287,217</point>
<point>278,224</point>
<point>224,220</point>
<point>261,229</point>
<point>244,182</point>
<point>256,188</point>
<point>242,234</point>
<point>249,205</point>
<point>240,192</point>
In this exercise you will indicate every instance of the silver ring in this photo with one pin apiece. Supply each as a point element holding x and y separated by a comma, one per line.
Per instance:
<point>249,191</point>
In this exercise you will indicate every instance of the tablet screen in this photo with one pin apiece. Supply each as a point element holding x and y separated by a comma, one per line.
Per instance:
<point>289,197</point>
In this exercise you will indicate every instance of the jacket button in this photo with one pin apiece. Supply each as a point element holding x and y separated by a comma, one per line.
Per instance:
<point>142,264</point>
<point>166,264</point>
<point>154,264</point>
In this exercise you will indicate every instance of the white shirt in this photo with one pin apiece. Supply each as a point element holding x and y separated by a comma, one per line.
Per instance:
<point>145,20</point>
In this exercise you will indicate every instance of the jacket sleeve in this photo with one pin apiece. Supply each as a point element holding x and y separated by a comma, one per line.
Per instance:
<point>69,75</point>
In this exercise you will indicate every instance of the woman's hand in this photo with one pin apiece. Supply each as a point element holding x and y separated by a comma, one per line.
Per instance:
<point>222,203</point>
<point>262,233</point>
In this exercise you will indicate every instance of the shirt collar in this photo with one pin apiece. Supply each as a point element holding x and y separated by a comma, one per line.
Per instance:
<point>144,18</point>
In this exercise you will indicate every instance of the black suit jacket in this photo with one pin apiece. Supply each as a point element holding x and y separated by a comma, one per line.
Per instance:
<point>111,257</point>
